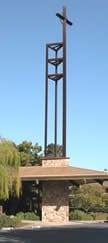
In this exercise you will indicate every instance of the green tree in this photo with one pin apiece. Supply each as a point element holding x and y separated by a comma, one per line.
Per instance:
<point>88,197</point>
<point>29,154</point>
<point>51,149</point>
<point>9,168</point>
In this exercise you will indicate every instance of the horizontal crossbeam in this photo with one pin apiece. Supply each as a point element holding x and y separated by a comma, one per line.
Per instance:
<point>55,46</point>
<point>55,61</point>
<point>63,18</point>
<point>55,76</point>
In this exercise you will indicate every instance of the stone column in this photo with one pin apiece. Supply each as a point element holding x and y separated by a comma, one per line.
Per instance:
<point>55,196</point>
<point>55,208</point>
<point>55,162</point>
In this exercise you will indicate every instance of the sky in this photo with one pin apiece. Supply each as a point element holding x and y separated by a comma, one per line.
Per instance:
<point>25,28</point>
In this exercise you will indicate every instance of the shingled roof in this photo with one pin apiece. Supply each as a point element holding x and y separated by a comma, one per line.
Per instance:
<point>60,173</point>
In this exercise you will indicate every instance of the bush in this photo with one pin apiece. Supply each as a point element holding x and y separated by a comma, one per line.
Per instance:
<point>20,215</point>
<point>27,216</point>
<point>101,216</point>
<point>6,221</point>
<point>80,215</point>
<point>31,216</point>
<point>93,215</point>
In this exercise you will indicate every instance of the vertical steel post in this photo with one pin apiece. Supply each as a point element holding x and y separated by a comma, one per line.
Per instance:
<point>64,83</point>
<point>55,77</point>
<point>55,128</point>
<point>46,102</point>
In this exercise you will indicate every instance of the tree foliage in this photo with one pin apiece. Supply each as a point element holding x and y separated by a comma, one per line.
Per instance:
<point>88,196</point>
<point>51,149</point>
<point>9,168</point>
<point>29,154</point>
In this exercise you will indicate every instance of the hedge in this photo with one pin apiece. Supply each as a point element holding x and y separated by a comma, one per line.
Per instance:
<point>7,221</point>
<point>27,216</point>
<point>80,215</point>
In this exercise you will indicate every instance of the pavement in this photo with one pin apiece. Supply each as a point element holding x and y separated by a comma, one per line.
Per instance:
<point>73,233</point>
<point>29,224</point>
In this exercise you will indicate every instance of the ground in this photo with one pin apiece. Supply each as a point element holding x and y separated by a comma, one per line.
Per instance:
<point>82,233</point>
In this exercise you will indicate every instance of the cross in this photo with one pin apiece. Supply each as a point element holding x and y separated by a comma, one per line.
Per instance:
<point>57,75</point>
<point>64,117</point>
<point>63,17</point>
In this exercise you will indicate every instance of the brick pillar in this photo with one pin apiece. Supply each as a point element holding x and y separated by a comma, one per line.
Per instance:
<point>55,162</point>
<point>55,196</point>
<point>55,208</point>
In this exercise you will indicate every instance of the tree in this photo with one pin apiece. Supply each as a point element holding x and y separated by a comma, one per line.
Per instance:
<point>9,167</point>
<point>29,154</point>
<point>51,149</point>
<point>88,197</point>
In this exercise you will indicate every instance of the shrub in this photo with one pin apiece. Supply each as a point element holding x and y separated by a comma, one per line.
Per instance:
<point>80,215</point>
<point>20,215</point>
<point>31,216</point>
<point>27,216</point>
<point>6,221</point>
<point>101,216</point>
<point>93,215</point>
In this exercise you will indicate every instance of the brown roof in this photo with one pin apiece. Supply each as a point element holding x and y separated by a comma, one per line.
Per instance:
<point>60,173</point>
